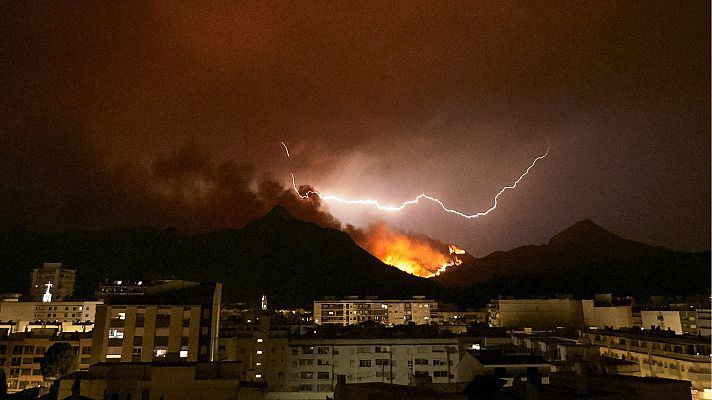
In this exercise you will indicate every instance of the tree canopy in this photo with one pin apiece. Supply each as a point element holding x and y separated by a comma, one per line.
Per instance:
<point>60,359</point>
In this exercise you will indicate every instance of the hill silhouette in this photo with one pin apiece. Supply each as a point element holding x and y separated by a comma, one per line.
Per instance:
<point>581,260</point>
<point>582,243</point>
<point>295,262</point>
<point>290,260</point>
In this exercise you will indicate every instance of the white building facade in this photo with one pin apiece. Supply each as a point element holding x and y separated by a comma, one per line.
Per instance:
<point>352,311</point>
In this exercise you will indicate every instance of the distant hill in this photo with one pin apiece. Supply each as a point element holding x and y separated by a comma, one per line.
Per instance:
<point>294,262</point>
<point>290,260</point>
<point>581,260</point>
<point>582,243</point>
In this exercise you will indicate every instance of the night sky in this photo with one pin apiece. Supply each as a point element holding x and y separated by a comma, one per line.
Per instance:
<point>166,115</point>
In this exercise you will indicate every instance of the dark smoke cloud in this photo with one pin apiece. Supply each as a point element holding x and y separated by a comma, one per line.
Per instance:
<point>55,180</point>
<point>171,114</point>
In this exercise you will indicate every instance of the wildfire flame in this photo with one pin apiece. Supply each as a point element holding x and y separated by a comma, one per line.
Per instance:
<point>412,254</point>
<point>452,249</point>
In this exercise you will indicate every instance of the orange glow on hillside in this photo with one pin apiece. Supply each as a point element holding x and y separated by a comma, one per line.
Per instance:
<point>411,254</point>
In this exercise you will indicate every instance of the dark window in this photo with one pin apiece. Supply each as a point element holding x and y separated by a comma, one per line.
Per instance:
<point>138,340</point>
<point>500,372</point>
<point>161,341</point>
<point>163,321</point>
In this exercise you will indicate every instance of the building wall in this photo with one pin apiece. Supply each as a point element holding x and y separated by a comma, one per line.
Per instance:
<point>704,325</point>
<point>132,333</point>
<point>388,312</point>
<point>537,314</point>
<point>469,367</point>
<point>155,382</point>
<point>314,364</point>
<point>663,358</point>
<point>21,353</point>
<point>664,320</point>
<point>601,317</point>
<point>259,356</point>
<point>61,278</point>
<point>31,314</point>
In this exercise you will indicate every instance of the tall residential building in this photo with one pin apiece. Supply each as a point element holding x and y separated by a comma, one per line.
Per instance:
<point>178,325</point>
<point>352,311</point>
<point>59,279</point>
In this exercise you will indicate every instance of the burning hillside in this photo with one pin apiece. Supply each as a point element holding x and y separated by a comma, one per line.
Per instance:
<point>417,255</point>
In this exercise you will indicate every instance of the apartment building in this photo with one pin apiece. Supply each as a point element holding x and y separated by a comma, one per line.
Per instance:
<point>352,311</point>
<point>315,363</point>
<point>179,326</point>
<point>704,321</point>
<point>159,381</point>
<point>557,313</point>
<point>259,352</point>
<point>659,355</point>
<point>68,316</point>
<point>21,354</point>
<point>678,321</point>
<point>60,279</point>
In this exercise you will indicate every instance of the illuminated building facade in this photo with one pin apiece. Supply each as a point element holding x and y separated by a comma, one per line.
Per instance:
<point>179,326</point>
<point>315,363</point>
<point>662,356</point>
<point>66,316</point>
<point>352,311</point>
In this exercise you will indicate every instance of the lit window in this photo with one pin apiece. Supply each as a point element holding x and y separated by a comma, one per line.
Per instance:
<point>184,353</point>
<point>258,364</point>
<point>116,334</point>
<point>108,356</point>
<point>259,340</point>
<point>258,376</point>
<point>259,351</point>
<point>122,315</point>
<point>160,352</point>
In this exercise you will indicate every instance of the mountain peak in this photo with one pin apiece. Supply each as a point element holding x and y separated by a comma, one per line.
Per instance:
<point>278,213</point>
<point>584,231</point>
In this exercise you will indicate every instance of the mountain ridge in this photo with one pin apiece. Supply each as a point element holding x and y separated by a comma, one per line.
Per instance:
<point>295,262</point>
<point>582,243</point>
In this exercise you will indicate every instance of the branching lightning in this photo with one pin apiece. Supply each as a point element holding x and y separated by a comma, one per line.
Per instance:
<point>416,200</point>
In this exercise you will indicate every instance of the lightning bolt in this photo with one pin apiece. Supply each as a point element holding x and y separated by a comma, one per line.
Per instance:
<point>416,200</point>
<point>285,148</point>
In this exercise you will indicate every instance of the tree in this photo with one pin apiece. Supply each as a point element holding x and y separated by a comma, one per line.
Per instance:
<point>59,360</point>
